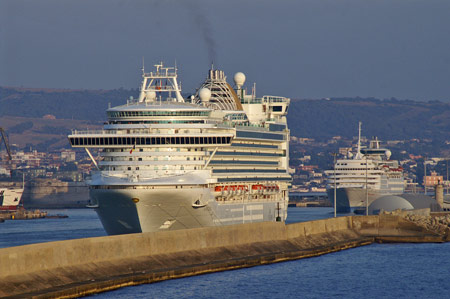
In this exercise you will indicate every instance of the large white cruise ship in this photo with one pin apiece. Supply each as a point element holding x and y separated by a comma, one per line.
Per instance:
<point>364,177</point>
<point>220,157</point>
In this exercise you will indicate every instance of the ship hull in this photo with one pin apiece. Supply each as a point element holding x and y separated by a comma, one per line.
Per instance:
<point>10,199</point>
<point>116,211</point>
<point>137,209</point>
<point>350,199</point>
<point>8,208</point>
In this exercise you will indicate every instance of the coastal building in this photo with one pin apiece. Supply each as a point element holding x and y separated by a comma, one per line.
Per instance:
<point>433,179</point>
<point>68,155</point>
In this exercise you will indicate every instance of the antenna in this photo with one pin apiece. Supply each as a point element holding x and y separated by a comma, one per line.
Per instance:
<point>143,65</point>
<point>254,91</point>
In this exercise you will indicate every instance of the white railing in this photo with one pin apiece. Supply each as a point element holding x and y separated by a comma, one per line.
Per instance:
<point>275,99</point>
<point>98,132</point>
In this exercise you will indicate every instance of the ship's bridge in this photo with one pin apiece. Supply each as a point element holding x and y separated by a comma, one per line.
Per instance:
<point>276,106</point>
<point>157,112</point>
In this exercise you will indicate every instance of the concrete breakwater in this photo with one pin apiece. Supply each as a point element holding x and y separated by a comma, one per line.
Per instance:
<point>79,267</point>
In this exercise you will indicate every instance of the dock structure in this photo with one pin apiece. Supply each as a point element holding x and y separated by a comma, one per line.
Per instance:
<point>308,199</point>
<point>81,267</point>
<point>22,214</point>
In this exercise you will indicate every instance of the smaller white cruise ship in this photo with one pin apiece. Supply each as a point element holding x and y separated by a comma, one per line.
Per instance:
<point>361,178</point>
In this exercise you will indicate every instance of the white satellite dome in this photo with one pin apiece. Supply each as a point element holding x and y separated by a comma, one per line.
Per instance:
<point>388,154</point>
<point>239,79</point>
<point>204,94</point>
<point>150,95</point>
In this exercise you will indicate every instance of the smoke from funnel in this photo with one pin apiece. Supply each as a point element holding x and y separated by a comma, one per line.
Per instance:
<point>203,23</point>
<point>205,27</point>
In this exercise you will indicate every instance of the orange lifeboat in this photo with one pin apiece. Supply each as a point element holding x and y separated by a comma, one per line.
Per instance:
<point>218,190</point>
<point>240,189</point>
<point>257,188</point>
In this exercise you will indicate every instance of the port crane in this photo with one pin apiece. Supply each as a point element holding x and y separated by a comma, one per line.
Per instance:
<point>4,138</point>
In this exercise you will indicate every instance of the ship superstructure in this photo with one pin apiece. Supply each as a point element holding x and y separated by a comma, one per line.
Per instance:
<point>10,198</point>
<point>361,178</point>
<point>218,158</point>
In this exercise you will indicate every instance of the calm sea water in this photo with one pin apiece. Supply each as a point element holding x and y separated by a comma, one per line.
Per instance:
<point>388,270</point>
<point>82,223</point>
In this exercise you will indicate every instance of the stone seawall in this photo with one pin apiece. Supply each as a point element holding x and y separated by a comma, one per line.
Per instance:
<point>42,193</point>
<point>55,194</point>
<point>85,266</point>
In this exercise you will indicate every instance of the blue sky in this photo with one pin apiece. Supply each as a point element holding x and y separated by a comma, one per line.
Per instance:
<point>299,49</point>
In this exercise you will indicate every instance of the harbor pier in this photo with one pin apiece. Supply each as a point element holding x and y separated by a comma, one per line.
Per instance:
<point>75,268</point>
<point>22,214</point>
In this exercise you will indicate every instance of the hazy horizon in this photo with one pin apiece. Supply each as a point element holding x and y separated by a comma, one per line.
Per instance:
<point>298,49</point>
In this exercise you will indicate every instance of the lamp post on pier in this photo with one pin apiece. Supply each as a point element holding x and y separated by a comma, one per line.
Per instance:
<point>425,175</point>
<point>367,193</point>
<point>334,175</point>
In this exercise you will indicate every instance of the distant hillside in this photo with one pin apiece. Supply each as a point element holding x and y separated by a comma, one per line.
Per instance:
<point>40,133</point>
<point>387,119</point>
<point>67,104</point>
<point>319,119</point>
